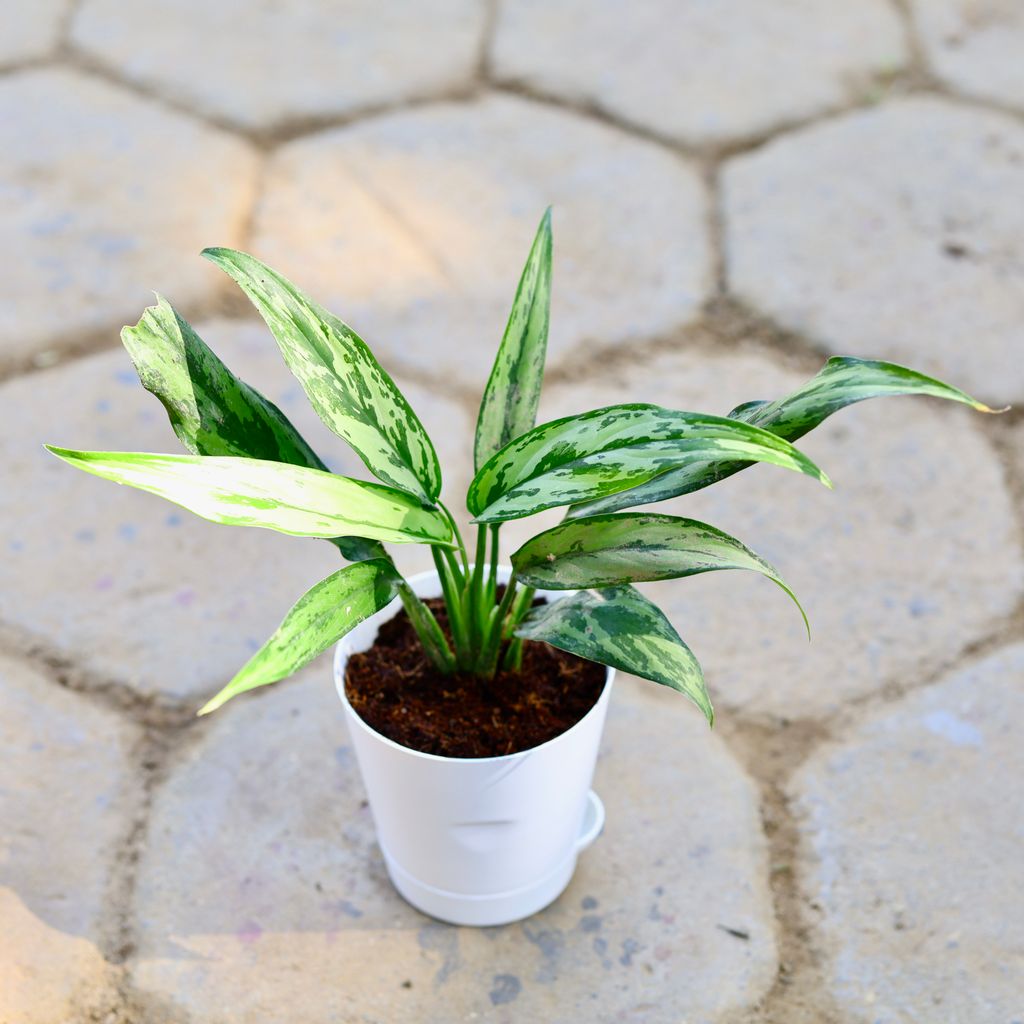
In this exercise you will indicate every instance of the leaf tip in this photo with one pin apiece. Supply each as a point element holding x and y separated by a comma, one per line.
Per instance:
<point>211,705</point>
<point>218,254</point>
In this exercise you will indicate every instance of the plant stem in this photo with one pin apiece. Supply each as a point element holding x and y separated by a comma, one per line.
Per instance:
<point>513,658</point>
<point>426,626</point>
<point>453,564</point>
<point>524,601</point>
<point>456,619</point>
<point>476,613</point>
<point>457,534</point>
<point>489,661</point>
<point>492,586</point>
<point>427,629</point>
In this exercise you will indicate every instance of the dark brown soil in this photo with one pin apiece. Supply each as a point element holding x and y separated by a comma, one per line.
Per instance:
<point>396,691</point>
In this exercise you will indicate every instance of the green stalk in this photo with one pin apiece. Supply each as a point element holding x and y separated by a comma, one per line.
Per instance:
<point>454,606</point>
<point>492,584</point>
<point>457,534</point>
<point>524,601</point>
<point>513,658</point>
<point>430,634</point>
<point>497,630</point>
<point>427,629</point>
<point>475,612</point>
<point>458,576</point>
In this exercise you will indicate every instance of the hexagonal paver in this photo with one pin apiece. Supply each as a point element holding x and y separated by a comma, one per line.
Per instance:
<point>975,45</point>
<point>697,72</point>
<point>111,197</point>
<point>63,793</point>
<point>896,570</point>
<point>911,251</point>
<point>265,826</point>
<point>31,30</point>
<point>414,227</point>
<point>330,57</point>
<point>916,855</point>
<point>131,586</point>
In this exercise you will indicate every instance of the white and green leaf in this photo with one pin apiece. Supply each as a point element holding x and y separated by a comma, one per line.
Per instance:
<point>211,411</point>
<point>321,617</point>
<point>252,492</point>
<point>509,405</point>
<point>633,547</point>
<point>621,628</point>
<point>345,384</point>
<point>842,381</point>
<point>580,458</point>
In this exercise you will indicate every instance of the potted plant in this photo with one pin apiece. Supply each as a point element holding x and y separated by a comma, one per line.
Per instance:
<point>475,695</point>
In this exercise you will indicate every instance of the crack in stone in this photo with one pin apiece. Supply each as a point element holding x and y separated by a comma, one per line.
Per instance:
<point>591,110</point>
<point>146,710</point>
<point>224,301</point>
<point>771,753</point>
<point>715,219</point>
<point>484,73</point>
<point>153,757</point>
<point>67,20</point>
<point>918,62</point>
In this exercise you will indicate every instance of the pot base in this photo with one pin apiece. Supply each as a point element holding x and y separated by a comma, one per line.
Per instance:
<point>497,908</point>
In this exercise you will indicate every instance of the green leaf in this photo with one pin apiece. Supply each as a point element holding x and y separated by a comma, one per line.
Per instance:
<point>213,412</point>
<point>580,458</point>
<point>509,405</point>
<point>323,615</point>
<point>252,492</point>
<point>346,386</point>
<point>621,628</point>
<point>843,381</point>
<point>633,547</point>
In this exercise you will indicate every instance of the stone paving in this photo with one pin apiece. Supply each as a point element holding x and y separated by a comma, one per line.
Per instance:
<point>739,189</point>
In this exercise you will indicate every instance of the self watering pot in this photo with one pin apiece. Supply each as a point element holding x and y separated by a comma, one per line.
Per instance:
<point>480,841</point>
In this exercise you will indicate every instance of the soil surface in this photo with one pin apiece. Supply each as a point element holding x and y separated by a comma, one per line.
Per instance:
<point>396,691</point>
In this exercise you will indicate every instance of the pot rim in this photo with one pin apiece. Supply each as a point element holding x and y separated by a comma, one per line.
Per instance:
<point>339,685</point>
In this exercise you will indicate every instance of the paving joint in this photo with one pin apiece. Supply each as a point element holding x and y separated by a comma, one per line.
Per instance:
<point>771,753</point>
<point>918,62</point>
<point>146,710</point>
<point>154,756</point>
<point>591,110</point>
<point>484,69</point>
<point>223,301</point>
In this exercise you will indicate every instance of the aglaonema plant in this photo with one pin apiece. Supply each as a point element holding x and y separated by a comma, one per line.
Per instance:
<point>248,466</point>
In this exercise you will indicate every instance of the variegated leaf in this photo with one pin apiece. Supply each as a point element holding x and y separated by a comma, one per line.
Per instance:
<point>509,405</point>
<point>843,381</point>
<point>251,492</point>
<point>633,547</point>
<point>580,458</point>
<point>321,617</point>
<point>211,410</point>
<point>621,628</point>
<point>345,384</point>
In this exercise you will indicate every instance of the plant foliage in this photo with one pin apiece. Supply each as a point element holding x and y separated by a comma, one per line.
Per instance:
<point>248,466</point>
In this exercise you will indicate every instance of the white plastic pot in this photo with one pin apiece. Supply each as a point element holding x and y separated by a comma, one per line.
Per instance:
<point>480,841</point>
